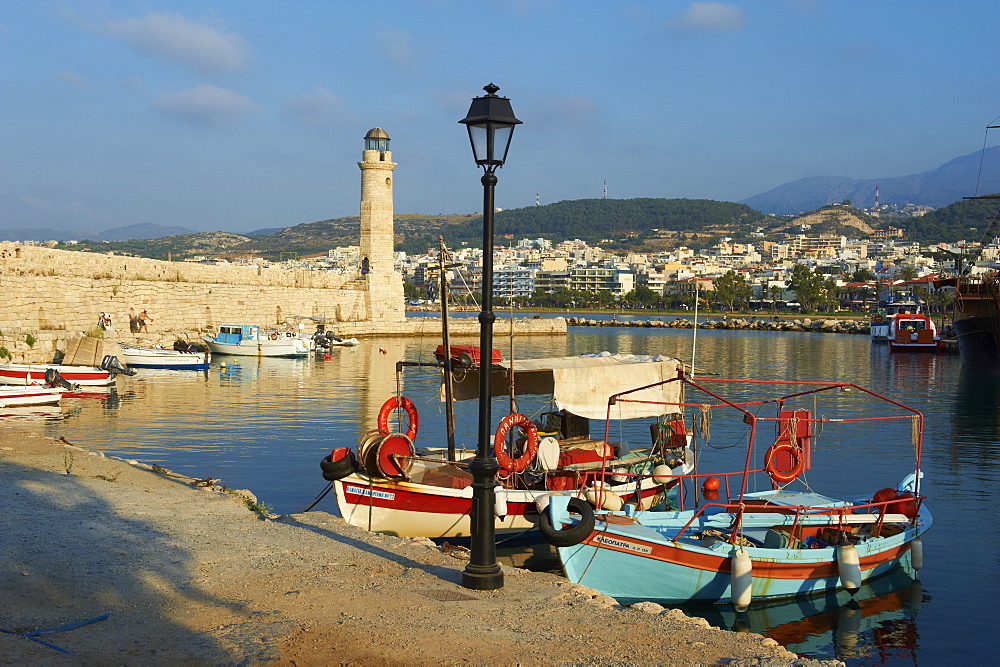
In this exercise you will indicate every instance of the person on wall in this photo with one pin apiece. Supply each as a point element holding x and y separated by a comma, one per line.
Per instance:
<point>144,319</point>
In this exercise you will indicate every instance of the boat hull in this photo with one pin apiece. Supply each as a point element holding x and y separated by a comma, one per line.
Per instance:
<point>168,359</point>
<point>634,562</point>
<point>13,397</point>
<point>979,342</point>
<point>24,374</point>
<point>283,347</point>
<point>408,509</point>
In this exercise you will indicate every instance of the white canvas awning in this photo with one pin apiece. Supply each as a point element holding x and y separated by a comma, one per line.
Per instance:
<point>582,385</point>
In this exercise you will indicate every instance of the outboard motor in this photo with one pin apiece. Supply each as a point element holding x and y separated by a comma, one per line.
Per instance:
<point>53,379</point>
<point>321,340</point>
<point>111,364</point>
<point>196,347</point>
<point>181,346</point>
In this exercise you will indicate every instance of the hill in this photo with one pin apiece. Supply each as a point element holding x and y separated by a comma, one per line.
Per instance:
<point>969,220</point>
<point>936,188</point>
<point>127,233</point>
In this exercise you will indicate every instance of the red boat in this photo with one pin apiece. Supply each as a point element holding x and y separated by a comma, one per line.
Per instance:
<point>85,376</point>
<point>913,332</point>
<point>466,355</point>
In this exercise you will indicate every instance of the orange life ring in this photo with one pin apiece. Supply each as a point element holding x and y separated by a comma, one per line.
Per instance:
<point>783,476</point>
<point>877,319</point>
<point>500,442</point>
<point>274,336</point>
<point>403,403</point>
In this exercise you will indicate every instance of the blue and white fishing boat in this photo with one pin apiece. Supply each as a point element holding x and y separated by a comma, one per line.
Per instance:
<point>248,340</point>
<point>760,532</point>
<point>159,357</point>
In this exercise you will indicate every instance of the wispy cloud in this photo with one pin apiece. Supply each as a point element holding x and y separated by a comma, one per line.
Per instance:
<point>206,104</point>
<point>319,108</point>
<point>132,84</point>
<point>73,79</point>
<point>397,48</point>
<point>180,40</point>
<point>708,17</point>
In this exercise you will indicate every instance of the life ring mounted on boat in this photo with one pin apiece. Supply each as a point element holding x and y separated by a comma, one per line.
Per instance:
<point>877,319</point>
<point>274,336</point>
<point>500,443</point>
<point>771,465</point>
<point>401,403</point>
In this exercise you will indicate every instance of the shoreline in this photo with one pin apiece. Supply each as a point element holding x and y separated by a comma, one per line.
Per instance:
<point>188,572</point>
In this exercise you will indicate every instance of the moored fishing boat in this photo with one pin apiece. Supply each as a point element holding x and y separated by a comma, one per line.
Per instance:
<point>883,312</point>
<point>913,332</point>
<point>742,544</point>
<point>158,357</point>
<point>387,486</point>
<point>12,397</point>
<point>248,340</point>
<point>85,376</point>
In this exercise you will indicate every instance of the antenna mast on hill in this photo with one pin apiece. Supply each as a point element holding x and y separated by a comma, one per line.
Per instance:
<point>605,188</point>
<point>875,214</point>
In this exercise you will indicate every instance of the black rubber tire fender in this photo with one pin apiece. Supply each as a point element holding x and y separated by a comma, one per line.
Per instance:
<point>567,536</point>
<point>334,470</point>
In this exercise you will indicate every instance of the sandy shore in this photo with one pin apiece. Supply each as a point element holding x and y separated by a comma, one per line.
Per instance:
<point>191,574</point>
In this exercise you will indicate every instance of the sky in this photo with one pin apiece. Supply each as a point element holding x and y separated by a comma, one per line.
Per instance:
<point>237,115</point>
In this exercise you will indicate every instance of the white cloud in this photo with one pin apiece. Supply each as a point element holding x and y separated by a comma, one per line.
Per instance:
<point>206,104</point>
<point>183,41</point>
<point>73,79</point>
<point>709,17</point>
<point>395,45</point>
<point>319,108</point>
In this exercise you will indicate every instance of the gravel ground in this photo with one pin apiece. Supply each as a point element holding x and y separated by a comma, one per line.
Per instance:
<point>189,573</point>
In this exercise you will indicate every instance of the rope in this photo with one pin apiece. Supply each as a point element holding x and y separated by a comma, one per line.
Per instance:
<point>320,497</point>
<point>702,421</point>
<point>33,635</point>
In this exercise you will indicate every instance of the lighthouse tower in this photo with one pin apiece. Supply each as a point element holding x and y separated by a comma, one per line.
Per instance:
<point>384,286</point>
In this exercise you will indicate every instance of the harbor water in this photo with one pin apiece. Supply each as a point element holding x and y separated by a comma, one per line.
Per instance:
<point>264,424</point>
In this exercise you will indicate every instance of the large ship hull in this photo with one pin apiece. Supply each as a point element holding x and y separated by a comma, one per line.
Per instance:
<point>977,322</point>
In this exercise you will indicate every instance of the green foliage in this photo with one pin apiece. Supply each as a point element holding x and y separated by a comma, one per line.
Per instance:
<point>730,288</point>
<point>809,286</point>
<point>30,340</point>
<point>5,353</point>
<point>965,220</point>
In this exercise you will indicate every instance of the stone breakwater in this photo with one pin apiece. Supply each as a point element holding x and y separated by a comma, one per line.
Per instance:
<point>735,323</point>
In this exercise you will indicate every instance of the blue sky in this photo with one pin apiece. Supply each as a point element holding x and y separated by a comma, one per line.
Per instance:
<point>237,115</point>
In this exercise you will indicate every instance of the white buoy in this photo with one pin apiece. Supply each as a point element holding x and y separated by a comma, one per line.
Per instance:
<point>916,553</point>
<point>609,499</point>
<point>542,502</point>
<point>548,453</point>
<point>741,580</point>
<point>662,474</point>
<point>850,568</point>
<point>500,502</point>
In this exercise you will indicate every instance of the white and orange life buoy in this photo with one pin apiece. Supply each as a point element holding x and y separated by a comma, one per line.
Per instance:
<point>530,446</point>
<point>771,465</point>
<point>402,403</point>
<point>274,336</point>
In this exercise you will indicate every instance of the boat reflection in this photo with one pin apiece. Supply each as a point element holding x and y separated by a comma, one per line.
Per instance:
<point>877,624</point>
<point>31,413</point>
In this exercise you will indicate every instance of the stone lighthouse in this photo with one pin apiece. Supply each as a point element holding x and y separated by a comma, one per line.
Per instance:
<point>384,286</point>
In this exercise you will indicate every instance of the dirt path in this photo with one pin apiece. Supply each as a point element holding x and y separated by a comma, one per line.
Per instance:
<point>191,574</point>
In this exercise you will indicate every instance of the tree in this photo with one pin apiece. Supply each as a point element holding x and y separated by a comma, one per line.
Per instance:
<point>862,276</point>
<point>730,288</point>
<point>908,272</point>
<point>808,286</point>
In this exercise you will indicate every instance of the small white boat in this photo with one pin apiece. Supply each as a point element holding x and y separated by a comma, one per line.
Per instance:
<point>247,340</point>
<point>28,374</point>
<point>13,397</point>
<point>158,357</point>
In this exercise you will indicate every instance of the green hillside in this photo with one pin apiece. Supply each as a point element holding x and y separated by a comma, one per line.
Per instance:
<point>964,220</point>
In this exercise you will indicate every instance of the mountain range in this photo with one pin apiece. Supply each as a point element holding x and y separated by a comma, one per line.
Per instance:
<point>935,188</point>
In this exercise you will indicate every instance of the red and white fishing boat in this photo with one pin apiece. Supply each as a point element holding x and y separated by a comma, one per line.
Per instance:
<point>27,374</point>
<point>913,332</point>
<point>14,397</point>
<point>387,487</point>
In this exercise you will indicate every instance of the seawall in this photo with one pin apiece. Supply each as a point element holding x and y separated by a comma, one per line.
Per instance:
<point>825,325</point>
<point>53,296</point>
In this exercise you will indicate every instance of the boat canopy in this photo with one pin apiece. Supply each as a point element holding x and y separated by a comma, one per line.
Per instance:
<point>582,385</point>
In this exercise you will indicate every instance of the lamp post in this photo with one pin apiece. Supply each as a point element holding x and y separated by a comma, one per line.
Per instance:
<point>490,122</point>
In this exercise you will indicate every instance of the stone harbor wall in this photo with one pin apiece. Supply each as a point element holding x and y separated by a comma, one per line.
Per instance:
<point>51,297</point>
<point>823,325</point>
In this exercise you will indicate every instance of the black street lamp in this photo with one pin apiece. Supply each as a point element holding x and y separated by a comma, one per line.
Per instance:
<point>491,124</point>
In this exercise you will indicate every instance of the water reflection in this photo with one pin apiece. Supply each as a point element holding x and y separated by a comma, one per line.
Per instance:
<point>878,622</point>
